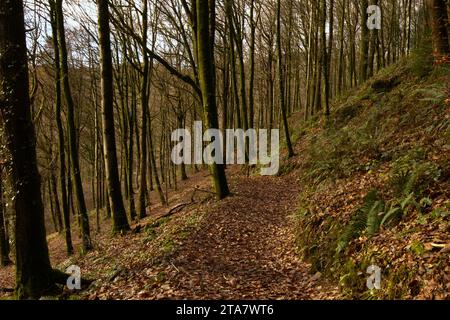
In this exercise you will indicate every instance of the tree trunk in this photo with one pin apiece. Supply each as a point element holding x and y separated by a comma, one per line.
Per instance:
<point>152,165</point>
<point>326,55</point>
<point>73,149</point>
<point>208,84</point>
<point>61,146</point>
<point>33,270</point>
<point>97,170</point>
<point>50,200</point>
<point>120,222</point>
<point>54,194</point>
<point>341,83</point>
<point>142,204</point>
<point>439,22</point>
<point>364,47</point>
<point>251,105</point>
<point>281,83</point>
<point>4,248</point>
<point>373,46</point>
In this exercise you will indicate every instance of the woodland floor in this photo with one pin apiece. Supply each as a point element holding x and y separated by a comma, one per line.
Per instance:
<point>240,248</point>
<point>244,249</point>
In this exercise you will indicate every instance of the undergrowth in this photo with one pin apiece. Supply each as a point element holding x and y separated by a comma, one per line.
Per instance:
<point>389,128</point>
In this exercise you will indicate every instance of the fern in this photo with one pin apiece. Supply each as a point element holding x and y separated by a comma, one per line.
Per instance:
<point>400,208</point>
<point>413,174</point>
<point>435,94</point>
<point>390,215</point>
<point>373,218</point>
<point>366,218</point>
<point>353,230</point>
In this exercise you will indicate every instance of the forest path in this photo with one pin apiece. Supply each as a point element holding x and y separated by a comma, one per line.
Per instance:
<point>245,249</point>
<point>242,248</point>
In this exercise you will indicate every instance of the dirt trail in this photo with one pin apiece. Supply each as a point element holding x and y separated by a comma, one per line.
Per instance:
<point>245,249</point>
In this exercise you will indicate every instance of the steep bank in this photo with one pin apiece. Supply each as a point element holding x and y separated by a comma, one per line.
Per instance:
<point>376,184</point>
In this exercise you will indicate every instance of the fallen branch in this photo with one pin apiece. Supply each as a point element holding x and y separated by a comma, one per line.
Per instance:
<point>175,210</point>
<point>179,207</point>
<point>204,191</point>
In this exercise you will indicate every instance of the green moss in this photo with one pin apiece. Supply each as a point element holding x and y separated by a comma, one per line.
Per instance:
<point>168,246</point>
<point>397,283</point>
<point>417,248</point>
<point>153,230</point>
<point>343,115</point>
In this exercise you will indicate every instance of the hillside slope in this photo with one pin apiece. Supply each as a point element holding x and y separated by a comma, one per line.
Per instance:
<point>376,185</point>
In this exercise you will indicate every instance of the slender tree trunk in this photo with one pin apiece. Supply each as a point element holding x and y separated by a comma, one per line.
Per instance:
<point>180,124</point>
<point>4,248</point>
<point>131,118</point>
<point>372,47</point>
<point>50,200</point>
<point>132,206</point>
<point>225,84</point>
<point>325,57</point>
<point>409,25</point>
<point>153,169</point>
<point>309,67</point>
<point>75,163</point>
<point>59,125</point>
<point>242,82</point>
<point>251,105</point>
<point>232,32</point>
<point>281,83</point>
<point>142,205</point>
<point>55,196</point>
<point>341,83</point>
<point>364,47</point>
<point>97,170</point>
<point>120,222</point>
